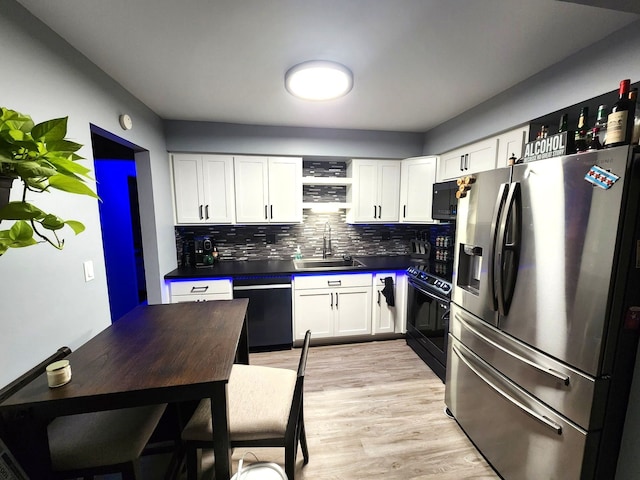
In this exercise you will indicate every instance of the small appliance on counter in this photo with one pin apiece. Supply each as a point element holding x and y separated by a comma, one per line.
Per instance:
<point>203,251</point>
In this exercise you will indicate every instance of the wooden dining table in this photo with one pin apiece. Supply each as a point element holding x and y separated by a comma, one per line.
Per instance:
<point>168,353</point>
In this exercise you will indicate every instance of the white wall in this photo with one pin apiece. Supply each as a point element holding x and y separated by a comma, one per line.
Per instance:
<point>212,137</point>
<point>44,300</point>
<point>594,71</point>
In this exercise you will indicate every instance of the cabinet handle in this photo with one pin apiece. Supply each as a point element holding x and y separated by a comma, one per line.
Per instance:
<point>378,297</point>
<point>271,212</point>
<point>404,212</point>
<point>461,162</point>
<point>206,212</point>
<point>466,161</point>
<point>375,211</point>
<point>331,299</point>
<point>379,211</point>
<point>334,283</point>
<point>266,217</point>
<point>336,299</point>
<point>199,289</point>
<point>200,210</point>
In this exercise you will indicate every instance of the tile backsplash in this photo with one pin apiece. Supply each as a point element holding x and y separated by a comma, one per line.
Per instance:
<point>279,242</point>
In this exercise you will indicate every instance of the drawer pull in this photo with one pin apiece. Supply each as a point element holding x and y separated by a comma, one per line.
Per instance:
<point>199,289</point>
<point>334,283</point>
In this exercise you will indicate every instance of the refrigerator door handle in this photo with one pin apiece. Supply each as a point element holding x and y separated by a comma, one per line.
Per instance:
<point>509,243</point>
<point>532,413</point>
<point>493,238</point>
<point>548,371</point>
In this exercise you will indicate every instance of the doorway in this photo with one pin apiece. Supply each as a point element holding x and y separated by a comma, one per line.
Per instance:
<point>115,171</point>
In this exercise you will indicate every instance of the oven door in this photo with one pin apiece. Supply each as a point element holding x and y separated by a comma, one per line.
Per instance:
<point>428,325</point>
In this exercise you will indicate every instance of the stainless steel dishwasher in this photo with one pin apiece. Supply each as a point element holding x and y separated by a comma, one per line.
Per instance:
<point>270,310</point>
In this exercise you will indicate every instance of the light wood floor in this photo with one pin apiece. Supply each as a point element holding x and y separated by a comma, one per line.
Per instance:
<point>373,411</point>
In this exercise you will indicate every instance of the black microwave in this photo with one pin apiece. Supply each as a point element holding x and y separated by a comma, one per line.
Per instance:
<point>445,202</point>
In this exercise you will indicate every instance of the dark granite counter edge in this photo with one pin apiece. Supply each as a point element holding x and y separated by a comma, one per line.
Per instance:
<point>236,269</point>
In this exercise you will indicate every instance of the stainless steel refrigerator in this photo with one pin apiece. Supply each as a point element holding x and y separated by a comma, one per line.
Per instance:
<point>545,313</point>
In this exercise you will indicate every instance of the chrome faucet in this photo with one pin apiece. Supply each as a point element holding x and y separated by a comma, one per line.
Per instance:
<point>326,240</point>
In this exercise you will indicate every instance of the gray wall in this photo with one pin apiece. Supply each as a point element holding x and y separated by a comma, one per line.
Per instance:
<point>183,136</point>
<point>595,70</point>
<point>44,300</point>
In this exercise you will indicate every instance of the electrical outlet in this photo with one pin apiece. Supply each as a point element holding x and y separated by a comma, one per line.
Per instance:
<point>88,271</point>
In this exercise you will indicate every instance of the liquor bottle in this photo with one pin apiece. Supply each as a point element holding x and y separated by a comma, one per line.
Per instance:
<point>581,132</point>
<point>594,143</point>
<point>618,122</point>
<point>562,126</point>
<point>601,123</point>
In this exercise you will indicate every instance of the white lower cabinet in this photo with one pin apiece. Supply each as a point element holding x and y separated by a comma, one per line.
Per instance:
<point>384,316</point>
<point>332,305</point>
<point>387,318</point>
<point>200,290</point>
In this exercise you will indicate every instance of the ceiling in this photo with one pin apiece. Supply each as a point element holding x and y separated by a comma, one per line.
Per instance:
<point>416,63</point>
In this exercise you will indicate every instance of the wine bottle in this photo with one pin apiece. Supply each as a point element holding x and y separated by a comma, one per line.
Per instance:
<point>601,123</point>
<point>594,143</point>
<point>581,132</point>
<point>620,120</point>
<point>562,126</point>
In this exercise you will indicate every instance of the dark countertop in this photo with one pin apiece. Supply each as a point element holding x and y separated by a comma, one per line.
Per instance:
<point>227,268</point>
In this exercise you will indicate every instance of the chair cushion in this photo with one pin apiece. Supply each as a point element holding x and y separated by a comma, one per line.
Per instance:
<point>260,400</point>
<point>101,438</point>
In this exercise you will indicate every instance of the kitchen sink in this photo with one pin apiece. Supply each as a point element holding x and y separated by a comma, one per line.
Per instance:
<point>326,264</point>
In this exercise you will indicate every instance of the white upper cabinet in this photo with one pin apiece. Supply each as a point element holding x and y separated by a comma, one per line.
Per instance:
<point>375,191</point>
<point>473,158</point>
<point>203,188</point>
<point>268,189</point>
<point>511,143</point>
<point>416,189</point>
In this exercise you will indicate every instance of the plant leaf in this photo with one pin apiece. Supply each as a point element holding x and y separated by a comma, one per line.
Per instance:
<point>20,211</point>
<point>33,169</point>
<point>71,185</point>
<point>52,222</point>
<point>21,232</point>
<point>76,226</point>
<point>50,130</point>
<point>67,165</point>
<point>63,146</point>
<point>11,119</point>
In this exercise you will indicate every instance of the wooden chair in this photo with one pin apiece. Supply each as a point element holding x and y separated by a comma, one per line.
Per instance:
<point>94,443</point>
<point>265,410</point>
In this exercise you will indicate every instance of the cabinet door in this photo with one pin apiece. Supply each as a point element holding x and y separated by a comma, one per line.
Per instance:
<point>388,190</point>
<point>383,316</point>
<point>313,310</point>
<point>481,156</point>
<point>416,189</point>
<point>364,190</point>
<point>217,175</point>
<point>187,188</point>
<point>511,143</point>
<point>353,311</point>
<point>452,164</point>
<point>285,190</point>
<point>251,186</point>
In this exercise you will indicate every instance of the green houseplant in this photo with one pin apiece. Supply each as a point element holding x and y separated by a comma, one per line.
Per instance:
<point>42,159</point>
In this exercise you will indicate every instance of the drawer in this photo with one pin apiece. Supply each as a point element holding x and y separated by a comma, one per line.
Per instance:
<point>200,298</point>
<point>378,278</point>
<point>304,282</point>
<point>201,287</point>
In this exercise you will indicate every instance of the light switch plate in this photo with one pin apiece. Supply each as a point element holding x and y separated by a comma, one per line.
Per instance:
<point>88,271</point>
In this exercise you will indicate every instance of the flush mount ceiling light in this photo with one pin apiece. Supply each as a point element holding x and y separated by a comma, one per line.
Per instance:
<point>318,80</point>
